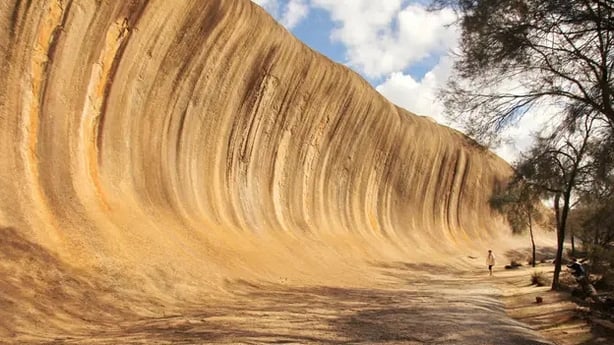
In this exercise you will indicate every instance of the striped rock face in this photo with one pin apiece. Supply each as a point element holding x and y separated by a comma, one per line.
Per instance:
<point>170,147</point>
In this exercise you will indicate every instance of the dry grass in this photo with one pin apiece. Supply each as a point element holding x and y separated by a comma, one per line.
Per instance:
<point>539,279</point>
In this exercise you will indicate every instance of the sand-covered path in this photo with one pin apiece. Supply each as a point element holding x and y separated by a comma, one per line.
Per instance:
<point>422,305</point>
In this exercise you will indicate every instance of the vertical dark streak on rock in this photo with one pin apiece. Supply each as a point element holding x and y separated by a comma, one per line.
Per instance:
<point>444,191</point>
<point>134,12</point>
<point>42,96</point>
<point>253,79</point>
<point>188,40</point>
<point>340,117</point>
<point>461,189</point>
<point>281,118</point>
<point>15,28</point>
<point>452,190</point>
<point>250,101</point>
<point>55,36</point>
<point>253,123</point>
<point>180,132</point>
<point>15,19</point>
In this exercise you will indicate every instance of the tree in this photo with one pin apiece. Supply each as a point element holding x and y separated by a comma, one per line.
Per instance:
<point>594,223</point>
<point>519,54</point>
<point>594,217</point>
<point>601,188</point>
<point>558,166</point>
<point>518,202</point>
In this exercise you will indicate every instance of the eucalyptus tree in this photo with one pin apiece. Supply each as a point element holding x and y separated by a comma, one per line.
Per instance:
<point>560,167</point>
<point>519,203</point>
<point>515,55</point>
<point>523,56</point>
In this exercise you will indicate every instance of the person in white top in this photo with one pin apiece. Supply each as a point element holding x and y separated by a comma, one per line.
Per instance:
<point>490,261</point>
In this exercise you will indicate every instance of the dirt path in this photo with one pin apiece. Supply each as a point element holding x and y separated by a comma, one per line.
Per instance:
<point>557,317</point>
<point>434,307</point>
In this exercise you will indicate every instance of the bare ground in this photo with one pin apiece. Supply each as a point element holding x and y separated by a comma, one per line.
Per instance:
<point>558,318</point>
<point>407,303</point>
<point>424,305</point>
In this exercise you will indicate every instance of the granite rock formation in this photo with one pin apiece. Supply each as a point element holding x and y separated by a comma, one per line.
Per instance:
<point>160,149</point>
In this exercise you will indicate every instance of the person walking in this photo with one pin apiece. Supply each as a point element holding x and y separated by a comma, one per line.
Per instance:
<point>490,261</point>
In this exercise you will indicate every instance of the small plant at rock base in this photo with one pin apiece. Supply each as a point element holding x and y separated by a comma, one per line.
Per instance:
<point>539,279</point>
<point>514,264</point>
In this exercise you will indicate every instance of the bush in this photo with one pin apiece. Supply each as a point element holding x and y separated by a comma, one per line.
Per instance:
<point>606,282</point>
<point>539,279</point>
<point>513,264</point>
<point>566,279</point>
<point>601,259</point>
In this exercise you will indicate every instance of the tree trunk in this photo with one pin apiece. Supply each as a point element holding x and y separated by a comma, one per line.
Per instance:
<point>560,241</point>
<point>573,245</point>
<point>532,238</point>
<point>561,223</point>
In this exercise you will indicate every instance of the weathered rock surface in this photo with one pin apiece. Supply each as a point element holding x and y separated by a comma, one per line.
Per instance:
<point>158,149</point>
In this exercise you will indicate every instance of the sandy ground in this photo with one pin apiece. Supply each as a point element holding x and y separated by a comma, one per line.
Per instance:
<point>558,317</point>
<point>421,305</point>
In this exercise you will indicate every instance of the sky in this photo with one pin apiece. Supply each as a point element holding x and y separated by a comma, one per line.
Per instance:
<point>402,49</point>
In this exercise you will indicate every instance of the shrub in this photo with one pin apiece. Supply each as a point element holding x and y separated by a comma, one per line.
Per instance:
<point>601,259</point>
<point>513,264</point>
<point>567,279</point>
<point>539,279</point>
<point>606,282</point>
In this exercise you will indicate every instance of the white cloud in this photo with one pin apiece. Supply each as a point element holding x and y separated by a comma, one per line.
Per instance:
<point>519,138</point>
<point>289,13</point>
<point>294,12</point>
<point>419,97</point>
<point>380,37</point>
<point>383,37</point>
<point>270,5</point>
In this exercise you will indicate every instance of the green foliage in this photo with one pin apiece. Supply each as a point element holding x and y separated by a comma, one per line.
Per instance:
<point>516,55</point>
<point>594,223</point>
<point>606,282</point>
<point>560,166</point>
<point>518,203</point>
<point>555,52</point>
<point>601,258</point>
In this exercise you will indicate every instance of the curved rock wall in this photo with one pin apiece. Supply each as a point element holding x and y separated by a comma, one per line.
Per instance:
<point>184,140</point>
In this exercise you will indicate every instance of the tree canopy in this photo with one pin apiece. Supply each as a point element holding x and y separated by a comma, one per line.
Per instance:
<point>518,202</point>
<point>556,59</point>
<point>518,54</point>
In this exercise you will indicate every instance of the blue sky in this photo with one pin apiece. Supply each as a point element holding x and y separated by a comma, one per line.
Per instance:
<point>398,46</point>
<point>402,49</point>
<point>315,31</point>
